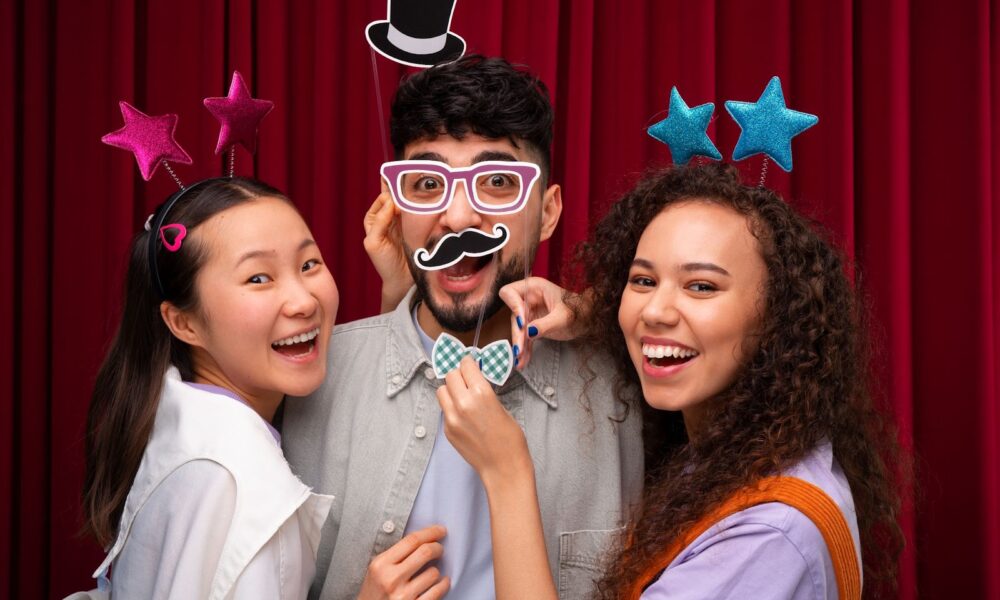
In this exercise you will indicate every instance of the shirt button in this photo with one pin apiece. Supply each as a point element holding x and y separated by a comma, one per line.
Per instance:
<point>396,379</point>
<point>420,431</point>
<point>549,391</point>
<point>388,527</point>
<point>429,373</point>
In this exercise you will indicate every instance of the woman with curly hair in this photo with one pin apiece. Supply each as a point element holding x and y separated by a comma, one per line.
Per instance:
<point>766,460</point>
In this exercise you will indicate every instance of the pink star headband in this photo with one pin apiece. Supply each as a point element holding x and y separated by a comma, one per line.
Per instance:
<point>151,139</point>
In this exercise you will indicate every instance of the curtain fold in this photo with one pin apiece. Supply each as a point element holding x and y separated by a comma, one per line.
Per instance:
<point>901,170</point>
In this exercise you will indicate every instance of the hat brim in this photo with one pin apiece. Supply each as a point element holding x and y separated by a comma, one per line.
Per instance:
<point>378,32</point>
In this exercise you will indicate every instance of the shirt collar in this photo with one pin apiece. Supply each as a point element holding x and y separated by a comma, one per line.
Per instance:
<point>405,356</point>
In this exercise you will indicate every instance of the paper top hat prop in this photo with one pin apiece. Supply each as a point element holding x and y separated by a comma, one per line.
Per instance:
<point>416,33</point>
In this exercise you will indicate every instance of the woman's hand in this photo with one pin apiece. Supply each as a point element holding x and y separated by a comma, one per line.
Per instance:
<point>489,439</point>
<point>550,309</point>
<point>384,245</point>
<point>390,575</point>
<point>480,428</point>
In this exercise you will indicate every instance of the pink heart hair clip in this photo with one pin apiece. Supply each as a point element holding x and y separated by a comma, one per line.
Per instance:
<point>175,245</point>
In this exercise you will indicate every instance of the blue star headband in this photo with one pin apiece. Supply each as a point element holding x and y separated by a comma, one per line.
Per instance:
<point>767,127</point>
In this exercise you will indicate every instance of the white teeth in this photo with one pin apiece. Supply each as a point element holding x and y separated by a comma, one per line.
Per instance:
<point>652,351</point>
<point>298,339</point>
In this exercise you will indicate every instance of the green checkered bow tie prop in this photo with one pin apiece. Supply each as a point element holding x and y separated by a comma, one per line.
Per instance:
<point>495,360</point>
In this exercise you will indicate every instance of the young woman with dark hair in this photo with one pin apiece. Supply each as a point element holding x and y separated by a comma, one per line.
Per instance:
<point>228,308</point>
<point>735,330</point>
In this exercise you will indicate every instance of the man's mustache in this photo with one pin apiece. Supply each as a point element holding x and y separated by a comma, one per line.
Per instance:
<point>455,246</point>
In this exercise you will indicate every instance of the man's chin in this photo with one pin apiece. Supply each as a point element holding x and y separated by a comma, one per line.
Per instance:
<point>457,312</point>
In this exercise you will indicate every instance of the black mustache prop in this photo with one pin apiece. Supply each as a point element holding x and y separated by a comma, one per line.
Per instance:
<point>455,246</point>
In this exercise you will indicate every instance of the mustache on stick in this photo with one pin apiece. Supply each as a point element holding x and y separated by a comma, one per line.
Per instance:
<point>455,246</point>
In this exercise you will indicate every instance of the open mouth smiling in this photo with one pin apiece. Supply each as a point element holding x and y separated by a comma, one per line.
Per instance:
<point>660,356</point>
<point>298,345</point>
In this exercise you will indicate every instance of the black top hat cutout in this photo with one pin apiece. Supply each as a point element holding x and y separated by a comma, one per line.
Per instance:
<point>416,33</point>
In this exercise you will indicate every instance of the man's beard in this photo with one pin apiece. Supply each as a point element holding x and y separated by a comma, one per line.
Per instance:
<point>461,316</point>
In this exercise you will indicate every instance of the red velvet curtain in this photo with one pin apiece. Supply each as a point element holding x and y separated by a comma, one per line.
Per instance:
<point>900,168</point>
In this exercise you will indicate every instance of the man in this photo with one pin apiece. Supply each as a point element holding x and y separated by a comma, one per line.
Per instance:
<point>372,434</point>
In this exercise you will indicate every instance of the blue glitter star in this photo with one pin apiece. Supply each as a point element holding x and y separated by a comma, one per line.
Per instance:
<point>768,126</point>
<point>685,130</point>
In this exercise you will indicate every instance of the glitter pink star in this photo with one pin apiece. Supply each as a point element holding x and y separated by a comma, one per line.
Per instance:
<point>151,139</point>
<point>239,114</point>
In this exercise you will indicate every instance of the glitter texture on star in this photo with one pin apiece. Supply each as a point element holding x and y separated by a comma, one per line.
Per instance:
<point>685,130</point>
<point>768,126</point>
<point>239,114</point>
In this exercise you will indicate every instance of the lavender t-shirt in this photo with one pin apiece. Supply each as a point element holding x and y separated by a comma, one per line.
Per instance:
<point>452,494</point>
<point>768,551</point>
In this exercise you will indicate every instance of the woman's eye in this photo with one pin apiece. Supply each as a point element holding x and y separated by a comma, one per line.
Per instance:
<point>259,278</point>
<point>702,287</point>
<point>642,281</point>
<point>310,264</point>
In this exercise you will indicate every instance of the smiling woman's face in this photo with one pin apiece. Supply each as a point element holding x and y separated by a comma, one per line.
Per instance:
<point>692,300</point>
<point>267,302</point>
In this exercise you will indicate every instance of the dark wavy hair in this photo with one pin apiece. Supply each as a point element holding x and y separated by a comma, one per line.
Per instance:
<point>806,381</point>
<point>126,393</point>
<point>487,96</point>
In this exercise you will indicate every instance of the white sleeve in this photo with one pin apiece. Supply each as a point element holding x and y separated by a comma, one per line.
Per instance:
<point>177,537</point>
<point>283,569</point>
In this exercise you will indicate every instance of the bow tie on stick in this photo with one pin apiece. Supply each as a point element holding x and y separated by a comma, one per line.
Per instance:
<point>495,360</point>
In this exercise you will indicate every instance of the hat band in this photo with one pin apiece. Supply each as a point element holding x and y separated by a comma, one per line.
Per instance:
<point>416,45</point>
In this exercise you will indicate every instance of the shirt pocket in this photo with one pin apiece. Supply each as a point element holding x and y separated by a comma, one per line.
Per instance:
<point>582,559</point>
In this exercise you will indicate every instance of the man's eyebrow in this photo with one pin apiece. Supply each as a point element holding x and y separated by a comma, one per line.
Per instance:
<point>494,155</point>
<point>701,266</point>
<point>428,156</point>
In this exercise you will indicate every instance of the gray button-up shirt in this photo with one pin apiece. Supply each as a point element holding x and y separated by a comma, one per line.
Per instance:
<point>366,436</point>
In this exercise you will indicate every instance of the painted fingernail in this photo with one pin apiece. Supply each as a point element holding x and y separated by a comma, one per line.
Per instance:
<point>480,364</point>
<point>520,323</point>
<point>532,331</point>
<point>516,360</point>
<point>515,349</point>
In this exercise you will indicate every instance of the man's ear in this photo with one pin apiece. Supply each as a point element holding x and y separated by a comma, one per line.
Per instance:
<point>551,211</point>
<point>182,324</point>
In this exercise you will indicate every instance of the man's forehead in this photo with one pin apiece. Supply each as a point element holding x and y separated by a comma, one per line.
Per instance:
<point>469,150</point>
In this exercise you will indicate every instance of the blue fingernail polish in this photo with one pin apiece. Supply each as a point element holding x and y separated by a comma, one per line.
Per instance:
<point>515,349</point>
<point>520,323</point>
<point>532,331</point>
<point>516,360</point>
<point>480,364</point>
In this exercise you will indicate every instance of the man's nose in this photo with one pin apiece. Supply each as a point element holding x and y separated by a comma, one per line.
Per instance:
<point>460,214</point>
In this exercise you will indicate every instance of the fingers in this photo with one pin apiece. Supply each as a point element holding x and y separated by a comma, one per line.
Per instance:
<point>411,541</point>
<point>422,555</point>
<point>379,216</point>
<point>422,584</point>
<point>472,375</point>
<point>437,591</point>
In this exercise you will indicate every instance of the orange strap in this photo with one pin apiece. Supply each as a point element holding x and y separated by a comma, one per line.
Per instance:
<point>800,495</point>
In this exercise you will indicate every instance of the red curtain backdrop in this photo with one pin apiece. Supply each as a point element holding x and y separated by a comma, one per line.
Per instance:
<point>901,168</point>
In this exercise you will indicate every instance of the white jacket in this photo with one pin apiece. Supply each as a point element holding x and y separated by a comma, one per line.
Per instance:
<point>214,510</point>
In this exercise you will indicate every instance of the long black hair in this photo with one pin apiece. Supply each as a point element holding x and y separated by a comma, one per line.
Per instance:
<point>126,394</point>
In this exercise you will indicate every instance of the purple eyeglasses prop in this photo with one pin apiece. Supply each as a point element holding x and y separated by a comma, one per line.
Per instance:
<point>427,187</point>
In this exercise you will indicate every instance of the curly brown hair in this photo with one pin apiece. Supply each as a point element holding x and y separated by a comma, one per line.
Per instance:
<point>806,381</point>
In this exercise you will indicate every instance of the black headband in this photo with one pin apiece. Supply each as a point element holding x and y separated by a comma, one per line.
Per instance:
<point>154,232</point>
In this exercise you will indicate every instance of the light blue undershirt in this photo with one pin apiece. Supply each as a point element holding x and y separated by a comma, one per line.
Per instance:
<point>452,494</point>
